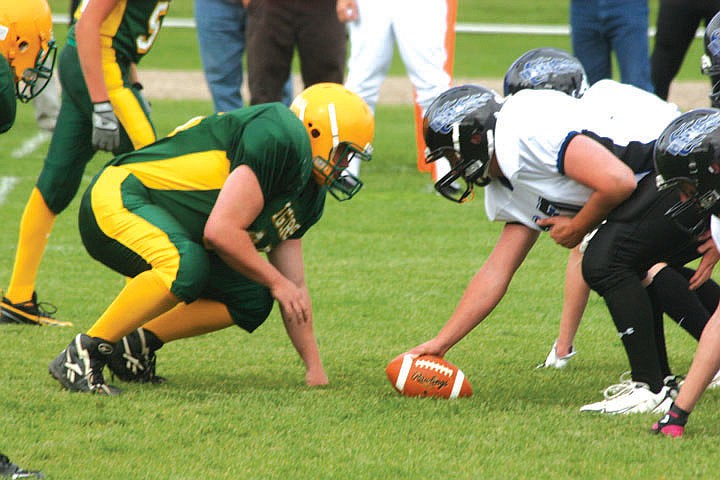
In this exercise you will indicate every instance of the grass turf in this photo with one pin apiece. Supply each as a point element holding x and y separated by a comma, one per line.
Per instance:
<point>385,271</point>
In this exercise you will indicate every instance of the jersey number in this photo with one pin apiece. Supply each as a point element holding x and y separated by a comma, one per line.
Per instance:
<point>145,42</point>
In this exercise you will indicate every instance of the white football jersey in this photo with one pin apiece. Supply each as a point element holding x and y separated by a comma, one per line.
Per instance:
<point>533,128</point>
<point>632,113</point>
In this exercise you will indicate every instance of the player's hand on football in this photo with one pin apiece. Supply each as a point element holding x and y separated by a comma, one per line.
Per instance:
<point>431,347</point>
<point>106,127</point>
<point>561,230</point>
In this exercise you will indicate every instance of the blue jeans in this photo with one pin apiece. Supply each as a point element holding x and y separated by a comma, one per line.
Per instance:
<point>601,27</point>
<point>221,39</point>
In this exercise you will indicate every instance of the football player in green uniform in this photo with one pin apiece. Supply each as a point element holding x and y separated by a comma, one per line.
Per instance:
<point>27,56</point>
<point>102,108</point>
<point>187,217</point>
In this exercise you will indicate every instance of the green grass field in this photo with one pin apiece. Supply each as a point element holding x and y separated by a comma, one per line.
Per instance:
<point>385,270</point>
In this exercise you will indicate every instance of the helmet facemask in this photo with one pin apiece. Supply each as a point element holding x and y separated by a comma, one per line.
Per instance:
<point>33,80</point>
<point>691,215</point>
<point>468,166</point>
<point>332,172</point>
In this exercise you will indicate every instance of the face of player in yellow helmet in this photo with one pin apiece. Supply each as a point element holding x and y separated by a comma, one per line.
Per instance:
<point>26,42</point>
<point>341,127</point>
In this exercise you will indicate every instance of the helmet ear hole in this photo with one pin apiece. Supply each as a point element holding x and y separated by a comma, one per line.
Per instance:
<point>314,132</point>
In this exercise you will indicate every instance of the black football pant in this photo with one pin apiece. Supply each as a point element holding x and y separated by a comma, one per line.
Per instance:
<point>636,236</point>
<point>691,309</point>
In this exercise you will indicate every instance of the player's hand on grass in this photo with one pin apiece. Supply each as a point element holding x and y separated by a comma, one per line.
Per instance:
<point>315,377</point>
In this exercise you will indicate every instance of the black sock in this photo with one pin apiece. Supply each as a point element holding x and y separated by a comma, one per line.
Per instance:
<point>683,305</point>
<point>708,292</point>
<point>659,329</point>
<point>632,312</point>
<point>153,342</point>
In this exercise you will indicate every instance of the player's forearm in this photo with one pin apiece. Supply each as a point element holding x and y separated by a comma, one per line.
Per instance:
<point>597,209</point>
<point>302,336</point>
<point>90,56</point>
<point>481,296</point>
<point>235,248</point>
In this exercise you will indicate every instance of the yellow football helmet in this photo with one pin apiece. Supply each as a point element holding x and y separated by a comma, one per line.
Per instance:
<point>341,127</point>
<point>26,42</point>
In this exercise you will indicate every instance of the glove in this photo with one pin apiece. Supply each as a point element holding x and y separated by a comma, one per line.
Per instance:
<point>106,128</point>
<point>554,361</point>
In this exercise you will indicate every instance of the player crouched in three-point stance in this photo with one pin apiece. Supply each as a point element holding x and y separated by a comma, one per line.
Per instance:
<point>546,162</point>
<point>187,216</point>
<point>687,158</point>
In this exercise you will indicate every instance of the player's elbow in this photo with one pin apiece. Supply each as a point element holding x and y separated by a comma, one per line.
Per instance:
<point>625,185</point>
<point>213,235</point>
<point>619,187</point>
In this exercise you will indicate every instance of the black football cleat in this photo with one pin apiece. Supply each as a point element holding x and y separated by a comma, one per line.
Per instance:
<point>9,470</point>
<point>79,367</point>
<point>30,313</point>
<point>133,358</point>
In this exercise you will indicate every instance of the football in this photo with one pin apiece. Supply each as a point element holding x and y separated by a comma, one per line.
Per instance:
<point>427,376</point>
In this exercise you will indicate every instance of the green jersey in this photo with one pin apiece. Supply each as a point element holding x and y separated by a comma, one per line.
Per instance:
<point>183,173</point>
<point>8,100</point>
<point>130,29</point>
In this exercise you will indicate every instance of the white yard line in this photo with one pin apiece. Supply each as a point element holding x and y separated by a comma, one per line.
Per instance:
<point>6,186</point>
<point>31,144</point>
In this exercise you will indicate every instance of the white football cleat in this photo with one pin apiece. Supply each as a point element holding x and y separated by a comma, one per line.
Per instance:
<point>554,361</point>
<point>715,382</point>
<point>632,397</point>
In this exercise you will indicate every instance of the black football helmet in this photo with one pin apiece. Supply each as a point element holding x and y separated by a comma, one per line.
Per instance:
<point>687,157</point>
<point>546,68</point>
<point>710,61</point>
<point>459,125</point>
